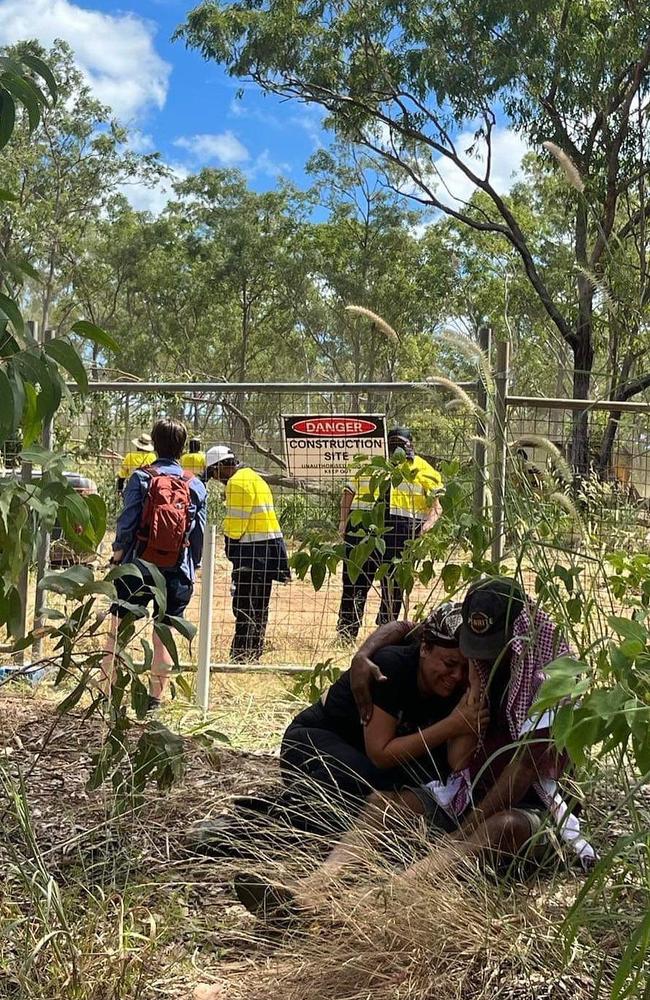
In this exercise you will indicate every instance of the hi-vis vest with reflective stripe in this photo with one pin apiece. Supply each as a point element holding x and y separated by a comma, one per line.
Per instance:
<point>412,500</point>
<point>250,515</point>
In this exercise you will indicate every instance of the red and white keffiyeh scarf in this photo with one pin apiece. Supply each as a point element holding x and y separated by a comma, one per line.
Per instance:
<point>536,642</point>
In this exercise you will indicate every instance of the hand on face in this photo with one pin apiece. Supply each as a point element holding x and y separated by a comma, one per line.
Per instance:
<point>442,671</point>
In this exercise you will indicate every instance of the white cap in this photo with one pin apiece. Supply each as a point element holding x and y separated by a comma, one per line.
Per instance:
<point>218,453</point>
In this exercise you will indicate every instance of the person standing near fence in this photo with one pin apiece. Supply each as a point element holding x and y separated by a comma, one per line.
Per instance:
<point>194,458</point>
<point>254,546</point>
<point>143,455</point>
<point>162,522</point>
<point>412,509</point>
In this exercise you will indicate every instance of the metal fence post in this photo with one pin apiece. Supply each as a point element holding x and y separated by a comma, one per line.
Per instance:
<point>499,434</point>
<point>43,551</point>
<point>202,694</point>
<point>23,580</point>
<point>480,446</point>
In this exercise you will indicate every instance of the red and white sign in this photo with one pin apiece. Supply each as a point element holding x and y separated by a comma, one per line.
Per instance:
<point>323,446</point>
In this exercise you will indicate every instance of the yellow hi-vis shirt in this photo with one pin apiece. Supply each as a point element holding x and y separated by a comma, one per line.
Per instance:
<point>194,461</point>
<point>412,500</point>
<point>135,460</point>
<point>250,514</point>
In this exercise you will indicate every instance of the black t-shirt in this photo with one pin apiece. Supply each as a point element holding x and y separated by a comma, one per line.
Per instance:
<point>398,695</point>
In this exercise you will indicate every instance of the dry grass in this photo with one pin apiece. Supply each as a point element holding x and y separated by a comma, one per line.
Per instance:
<point>144,918</point>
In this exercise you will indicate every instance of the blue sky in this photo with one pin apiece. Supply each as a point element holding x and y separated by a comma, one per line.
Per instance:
<point>186,108</point>
<point>173,100</point>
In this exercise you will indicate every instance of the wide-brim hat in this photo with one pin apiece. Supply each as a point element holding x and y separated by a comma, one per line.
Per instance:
<point>143,443</point>
<point>490,610</point>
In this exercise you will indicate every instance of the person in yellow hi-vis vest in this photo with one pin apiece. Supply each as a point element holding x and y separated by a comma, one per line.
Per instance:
<point>413,509</point>
<point>254,546</point>
<point>144,454</point>
<point>194,459</point>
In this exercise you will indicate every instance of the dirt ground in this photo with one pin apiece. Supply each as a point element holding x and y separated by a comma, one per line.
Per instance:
<point>142,860</point>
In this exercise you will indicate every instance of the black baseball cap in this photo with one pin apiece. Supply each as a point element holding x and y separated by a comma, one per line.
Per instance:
<point>490,609</point>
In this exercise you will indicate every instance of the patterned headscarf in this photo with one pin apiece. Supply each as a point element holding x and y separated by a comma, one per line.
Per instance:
<point>442,626</point>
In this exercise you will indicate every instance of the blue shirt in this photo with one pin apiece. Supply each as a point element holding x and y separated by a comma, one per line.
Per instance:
<point>128,522</point>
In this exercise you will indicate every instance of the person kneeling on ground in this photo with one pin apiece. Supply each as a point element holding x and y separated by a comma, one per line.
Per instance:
<point>419,707</point>
<point>162,522</point>
<point>331,763</point>
<point>510,770</point>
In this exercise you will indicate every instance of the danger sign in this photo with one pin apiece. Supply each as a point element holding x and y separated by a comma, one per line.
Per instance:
<point>322,447</point>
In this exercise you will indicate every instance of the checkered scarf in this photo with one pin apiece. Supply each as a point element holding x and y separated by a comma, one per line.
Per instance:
<point>536,641</point>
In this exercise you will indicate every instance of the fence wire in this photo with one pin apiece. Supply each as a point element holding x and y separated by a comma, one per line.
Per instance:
<point>98,430</point>
<point>302,625</point>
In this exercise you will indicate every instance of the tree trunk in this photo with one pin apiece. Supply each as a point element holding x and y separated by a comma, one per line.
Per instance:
<point>583,363</point>
<point>625,392</point>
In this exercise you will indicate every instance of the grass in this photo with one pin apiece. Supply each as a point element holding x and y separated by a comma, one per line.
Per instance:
<point>96,906</point>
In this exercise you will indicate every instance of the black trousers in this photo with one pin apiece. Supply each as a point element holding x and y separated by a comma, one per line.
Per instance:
<point>355,594</point>
<point>326,779</point>
<point>251,595</point>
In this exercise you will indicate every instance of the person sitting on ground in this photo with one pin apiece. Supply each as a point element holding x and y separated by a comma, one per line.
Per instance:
<point>194,458</point>
<point>415,711</point>
<point>162,522</point>
<point>503,788</point>
<point>143,455</point>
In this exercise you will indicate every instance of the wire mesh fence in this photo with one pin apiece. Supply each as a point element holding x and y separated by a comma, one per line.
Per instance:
<point>613,497</point>
<point>102,433</point>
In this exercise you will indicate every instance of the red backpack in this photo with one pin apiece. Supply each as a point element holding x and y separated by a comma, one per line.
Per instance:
<point>165,523</point>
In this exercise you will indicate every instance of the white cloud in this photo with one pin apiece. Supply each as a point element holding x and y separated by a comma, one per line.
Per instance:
<point>452,186</point>
<point>145,198</point>
<point>115,52</point>
<point>446,180</point>
<point>264,164</point>
<point>223,148</point>
<point>140,142</point>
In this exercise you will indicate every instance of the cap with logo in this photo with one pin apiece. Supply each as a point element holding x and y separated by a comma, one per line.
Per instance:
<point>490,609</point>
<point>218,453</point>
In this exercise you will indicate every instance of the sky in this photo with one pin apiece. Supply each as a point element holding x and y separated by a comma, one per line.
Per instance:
<point>175,102</point>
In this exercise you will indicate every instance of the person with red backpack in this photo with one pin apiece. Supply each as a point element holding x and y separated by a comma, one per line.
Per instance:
<point>162,522</point>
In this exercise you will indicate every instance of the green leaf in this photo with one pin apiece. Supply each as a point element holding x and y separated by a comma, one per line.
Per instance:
<point>7,195</point>
<point>13,613</point>
<point>7,116</point>
<point>43,70</point>
<point>186,629</point>
<point>318,572</point>
<point>73,698</point>
<point>451,574</point>
<point>9,309</point>
<point>628,629</point>
<point>98,336</point>
<point>65,355</point>
<point>164,633</point>
<point>183,684</point>
<point>583,735</point>
<point>69,581</point>
<point>17,393</point>
<point>27,93</point>
<point>139,698</point>
<point>40,456</point>
<point>6,407</point>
